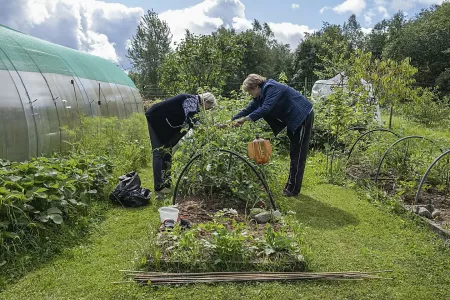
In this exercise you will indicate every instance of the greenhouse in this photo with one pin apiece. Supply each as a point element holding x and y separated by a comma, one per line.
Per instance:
<point>45,87</point>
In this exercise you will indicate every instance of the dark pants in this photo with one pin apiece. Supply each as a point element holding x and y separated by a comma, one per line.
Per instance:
<point>298,152</point>
<point>162,158</point>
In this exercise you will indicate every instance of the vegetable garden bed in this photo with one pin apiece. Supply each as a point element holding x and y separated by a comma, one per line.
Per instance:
<point>227,239</point>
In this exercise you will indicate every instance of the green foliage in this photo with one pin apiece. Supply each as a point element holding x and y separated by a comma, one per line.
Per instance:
<point>425,40</point>
<point>40,194</point>
<point>46,196</point>
<point>226,244</point>
<point>125,142</point>
<point>223,59</point>
<point>315,48</point>
<point>384,33</point>
<point>216,173</point>
<point>425,108</point>
<point>147,50</point>
<point>198,61</point>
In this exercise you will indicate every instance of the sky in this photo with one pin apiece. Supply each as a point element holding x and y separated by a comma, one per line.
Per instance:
<point>104,27</point>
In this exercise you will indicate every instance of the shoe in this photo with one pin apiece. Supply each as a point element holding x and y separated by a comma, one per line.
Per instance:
<point>164,190</point>
<point>288,193</point>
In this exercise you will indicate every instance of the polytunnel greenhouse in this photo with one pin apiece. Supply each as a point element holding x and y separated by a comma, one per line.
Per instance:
<point>45,87</point>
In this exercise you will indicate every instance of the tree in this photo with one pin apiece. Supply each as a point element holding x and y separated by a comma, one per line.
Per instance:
<point>308,61</point>
<point>147,50</point>
<point>353,33</point>
<point>384,33</point>
<point>426,41</point>
<point>200,61</point>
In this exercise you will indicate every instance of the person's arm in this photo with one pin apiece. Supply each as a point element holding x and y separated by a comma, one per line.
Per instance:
<point>190,107</point>
<point>246,111</point>
<point>192,119</point>
<point>273,94</point>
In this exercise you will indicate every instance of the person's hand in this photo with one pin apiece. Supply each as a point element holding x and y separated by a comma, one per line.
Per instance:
<point>223,125</point>
<point>240,122</point>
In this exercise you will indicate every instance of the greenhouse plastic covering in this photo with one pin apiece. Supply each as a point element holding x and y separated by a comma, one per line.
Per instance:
<point>44,87</point>
<point>322,88</point>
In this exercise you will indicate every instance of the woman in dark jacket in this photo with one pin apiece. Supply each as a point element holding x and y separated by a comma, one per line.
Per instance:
<point>281,106</point>
<point>167,122</point>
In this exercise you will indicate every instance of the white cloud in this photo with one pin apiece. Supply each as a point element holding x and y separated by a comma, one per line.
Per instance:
<point>295,6</point>
<point>288,33</point>
<point>408,4</point>
<point>352,6</point>
<point>92,26</point>
<point>323,9</point>
<point>366,30</point>
<point>241,24</point>
<point>368,16</point>
<point>209,15</point>
<point>383,10</point>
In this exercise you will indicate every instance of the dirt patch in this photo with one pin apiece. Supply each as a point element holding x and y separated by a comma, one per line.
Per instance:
<point>201,210</point>
<point>440,200</point>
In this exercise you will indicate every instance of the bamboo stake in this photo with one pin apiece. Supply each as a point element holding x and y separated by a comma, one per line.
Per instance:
<point>157,278</point>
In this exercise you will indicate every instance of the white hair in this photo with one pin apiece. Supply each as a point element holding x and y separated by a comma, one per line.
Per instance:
<point>208,99</point>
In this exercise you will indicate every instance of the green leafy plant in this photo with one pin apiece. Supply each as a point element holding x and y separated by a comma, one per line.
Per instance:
<point>227,244</point>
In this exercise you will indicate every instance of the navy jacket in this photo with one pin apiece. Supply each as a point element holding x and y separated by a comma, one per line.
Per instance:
<point>167,117</point>
<point>280,105</point>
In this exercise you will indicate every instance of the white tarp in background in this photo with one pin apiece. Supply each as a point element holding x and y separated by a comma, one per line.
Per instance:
<point>322,88</point>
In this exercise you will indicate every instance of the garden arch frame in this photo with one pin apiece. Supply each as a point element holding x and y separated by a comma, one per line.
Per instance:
<point>240,157</point>
<point>396,143</point>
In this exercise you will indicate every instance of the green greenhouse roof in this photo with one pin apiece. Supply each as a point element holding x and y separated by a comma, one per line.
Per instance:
<point>22,52</point>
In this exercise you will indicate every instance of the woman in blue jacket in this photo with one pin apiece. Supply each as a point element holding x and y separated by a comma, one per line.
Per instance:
<point>281,106</point>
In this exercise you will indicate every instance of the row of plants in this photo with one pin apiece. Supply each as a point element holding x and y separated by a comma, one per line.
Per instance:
<point>48,202</point>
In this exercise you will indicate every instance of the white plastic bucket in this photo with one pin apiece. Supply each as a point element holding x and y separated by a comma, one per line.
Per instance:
<point>168,213</point>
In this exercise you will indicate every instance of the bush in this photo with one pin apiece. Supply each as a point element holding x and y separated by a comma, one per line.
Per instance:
<point>40,194</point>
<point>125,142</point>
<point>47,203</point>
<point>426,108</point>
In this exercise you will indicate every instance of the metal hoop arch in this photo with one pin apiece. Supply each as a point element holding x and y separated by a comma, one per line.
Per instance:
<point>396,143</point>
<point>266,187</point>
<point>416,200</point>
<point>367,133</point>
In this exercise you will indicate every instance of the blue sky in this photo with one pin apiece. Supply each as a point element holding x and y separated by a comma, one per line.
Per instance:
<point>308,12</point>
<point>104,27</point>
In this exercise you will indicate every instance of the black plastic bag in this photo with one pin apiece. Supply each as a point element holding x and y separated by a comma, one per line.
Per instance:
<point>129,193</point>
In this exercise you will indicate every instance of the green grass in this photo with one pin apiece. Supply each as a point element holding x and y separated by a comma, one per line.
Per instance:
<point>405,127</point>
<point>344,232</point>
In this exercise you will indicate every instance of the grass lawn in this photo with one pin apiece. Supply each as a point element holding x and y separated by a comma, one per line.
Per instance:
<point>344,232</point>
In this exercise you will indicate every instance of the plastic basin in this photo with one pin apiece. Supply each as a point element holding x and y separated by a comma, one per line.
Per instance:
<point>168,213</point>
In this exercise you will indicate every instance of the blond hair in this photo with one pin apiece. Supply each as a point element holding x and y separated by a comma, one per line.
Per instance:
<point>253,81</point>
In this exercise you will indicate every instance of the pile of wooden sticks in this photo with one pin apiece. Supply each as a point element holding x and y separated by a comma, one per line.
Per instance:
<point>156,278</point>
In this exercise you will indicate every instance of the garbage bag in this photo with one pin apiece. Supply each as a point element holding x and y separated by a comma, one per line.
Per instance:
<point>137,198</point>
<point>129,193</point>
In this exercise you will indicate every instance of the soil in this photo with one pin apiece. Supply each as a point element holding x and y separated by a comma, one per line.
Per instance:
<point>201,210</point>
<point>440,200</point>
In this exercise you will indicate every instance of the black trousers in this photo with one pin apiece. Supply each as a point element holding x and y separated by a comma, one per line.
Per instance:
<point>162,158</point>
<point>299,149</point>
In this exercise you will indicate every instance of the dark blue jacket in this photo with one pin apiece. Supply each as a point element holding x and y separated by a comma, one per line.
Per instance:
<point>280,105</point>
<point>167,117</point>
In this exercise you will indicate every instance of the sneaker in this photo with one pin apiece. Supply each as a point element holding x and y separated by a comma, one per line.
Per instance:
<point>164,190</point>
<point>288,193</point>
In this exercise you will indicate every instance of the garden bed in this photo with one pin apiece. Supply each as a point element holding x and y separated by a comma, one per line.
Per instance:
<point>226,239</point>
<point>439,200</point>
